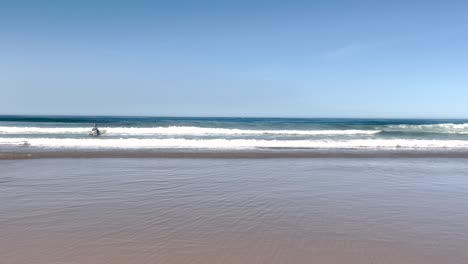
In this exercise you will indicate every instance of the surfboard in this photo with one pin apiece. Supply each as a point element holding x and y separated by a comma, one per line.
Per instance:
<point>94,133</point>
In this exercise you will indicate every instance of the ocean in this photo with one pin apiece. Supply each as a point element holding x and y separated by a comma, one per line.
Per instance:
<point>32,133</point>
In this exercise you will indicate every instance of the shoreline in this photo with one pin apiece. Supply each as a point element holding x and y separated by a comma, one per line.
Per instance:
<point>227,155</point>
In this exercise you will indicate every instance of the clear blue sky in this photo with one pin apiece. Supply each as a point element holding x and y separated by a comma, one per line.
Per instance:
<point>235,58</point>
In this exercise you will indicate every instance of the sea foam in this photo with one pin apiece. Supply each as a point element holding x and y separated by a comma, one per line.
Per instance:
<point>175,143</point>
<point>178,130</point>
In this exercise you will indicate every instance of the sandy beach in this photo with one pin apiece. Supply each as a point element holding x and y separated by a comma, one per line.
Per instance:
<point>208,210</point>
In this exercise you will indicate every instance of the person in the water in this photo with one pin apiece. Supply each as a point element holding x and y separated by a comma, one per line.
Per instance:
<point>96,130</point>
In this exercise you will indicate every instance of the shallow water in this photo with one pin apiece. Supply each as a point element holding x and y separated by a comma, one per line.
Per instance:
<point>234,211</point>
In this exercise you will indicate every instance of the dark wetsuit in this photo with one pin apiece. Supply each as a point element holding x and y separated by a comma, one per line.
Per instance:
<point>97,131</point>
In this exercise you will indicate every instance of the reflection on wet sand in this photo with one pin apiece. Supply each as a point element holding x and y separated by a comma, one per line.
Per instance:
<point>233,211</point>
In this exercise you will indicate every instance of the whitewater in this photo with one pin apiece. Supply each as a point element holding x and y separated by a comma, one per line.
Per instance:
<point>41,133</point>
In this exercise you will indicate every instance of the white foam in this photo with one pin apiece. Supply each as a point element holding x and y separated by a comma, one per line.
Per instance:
<point>439,128</point>
<point>134,143</point>
<point>43,130</point>
<point>177,130</point>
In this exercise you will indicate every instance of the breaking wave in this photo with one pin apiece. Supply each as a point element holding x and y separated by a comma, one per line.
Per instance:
<point>450,128</point>
<point>178,130</point>
<point>446,128</point>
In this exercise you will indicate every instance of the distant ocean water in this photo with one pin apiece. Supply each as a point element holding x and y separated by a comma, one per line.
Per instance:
<point>155,133</point>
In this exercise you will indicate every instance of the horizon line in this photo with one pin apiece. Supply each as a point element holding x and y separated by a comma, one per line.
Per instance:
<point>206,116</point>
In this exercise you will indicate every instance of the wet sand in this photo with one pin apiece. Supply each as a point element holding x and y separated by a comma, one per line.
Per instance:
<point>325,211</point>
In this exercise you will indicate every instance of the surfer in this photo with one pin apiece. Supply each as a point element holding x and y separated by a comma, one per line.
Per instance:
<point>96,130</point>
